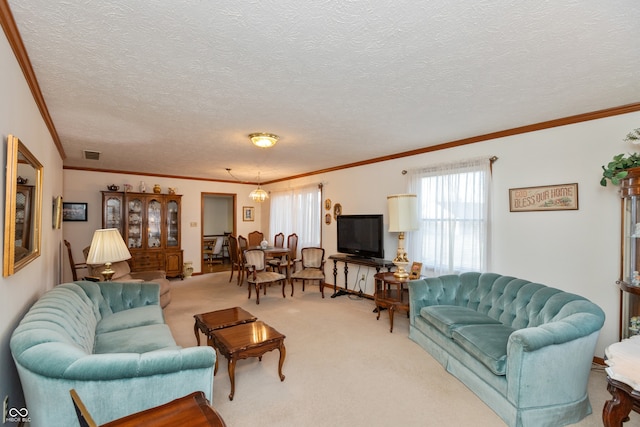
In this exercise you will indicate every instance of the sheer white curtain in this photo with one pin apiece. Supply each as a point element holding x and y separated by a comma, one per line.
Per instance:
<point>299,211</point>
<point>453,205</point>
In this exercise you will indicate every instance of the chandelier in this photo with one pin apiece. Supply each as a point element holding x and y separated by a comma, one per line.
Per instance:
<point>263,140</point>
<point>259,195</point>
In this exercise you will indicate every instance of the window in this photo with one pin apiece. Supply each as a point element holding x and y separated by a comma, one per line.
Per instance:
<point>297,211</point>
<point>453,203</point>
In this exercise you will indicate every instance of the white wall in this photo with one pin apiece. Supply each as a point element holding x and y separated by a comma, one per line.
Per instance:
<point>218,215</point>
<point>577,251</point>
<point>19,116</point>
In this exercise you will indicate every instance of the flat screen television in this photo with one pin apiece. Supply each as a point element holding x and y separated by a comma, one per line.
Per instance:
<point>361,235</point>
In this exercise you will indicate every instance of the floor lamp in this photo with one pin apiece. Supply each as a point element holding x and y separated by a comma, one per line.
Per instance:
<point>403,217</point>
<point>107,247</point>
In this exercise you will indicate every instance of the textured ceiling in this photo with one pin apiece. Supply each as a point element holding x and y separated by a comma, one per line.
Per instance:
<point>175,86</point>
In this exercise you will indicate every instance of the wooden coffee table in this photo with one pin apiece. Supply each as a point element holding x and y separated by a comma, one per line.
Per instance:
<point>247,340</point>
<point>209,322</point>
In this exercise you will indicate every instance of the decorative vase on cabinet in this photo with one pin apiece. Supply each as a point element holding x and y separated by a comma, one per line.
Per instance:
<point>629,282</point>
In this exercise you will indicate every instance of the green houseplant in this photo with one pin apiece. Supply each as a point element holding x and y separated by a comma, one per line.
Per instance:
<point>617,168</point>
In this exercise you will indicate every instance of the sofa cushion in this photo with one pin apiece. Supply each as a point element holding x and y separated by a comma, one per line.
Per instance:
<point>135,340</point>
<point>487,343</point>
<point>132,318</point>
<point>447,318</point>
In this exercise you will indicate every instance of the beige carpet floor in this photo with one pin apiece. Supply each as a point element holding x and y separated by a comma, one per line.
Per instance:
<point>342,366</point>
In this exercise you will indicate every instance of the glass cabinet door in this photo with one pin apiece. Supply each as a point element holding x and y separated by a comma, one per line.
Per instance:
<point>154,223</point>
<point>173,220</point>
<point>134,223</point>
<point>113,212</point>
<point>630,283</point>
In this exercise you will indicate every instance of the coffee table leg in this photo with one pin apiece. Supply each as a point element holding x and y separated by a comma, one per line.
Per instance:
<point>195,331</point>
<point>283,354</point>
<point>215,368</point>
<point>391,310</point>
<point>232,376</point>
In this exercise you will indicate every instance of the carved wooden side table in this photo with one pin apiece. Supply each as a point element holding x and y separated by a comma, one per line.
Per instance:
<point>623,377</point>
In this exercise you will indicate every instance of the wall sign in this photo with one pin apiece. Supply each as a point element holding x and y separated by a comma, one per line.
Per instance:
<point>546,198</point>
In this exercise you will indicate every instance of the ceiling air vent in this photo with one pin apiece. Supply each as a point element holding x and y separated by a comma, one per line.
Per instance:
<point>91,155</point>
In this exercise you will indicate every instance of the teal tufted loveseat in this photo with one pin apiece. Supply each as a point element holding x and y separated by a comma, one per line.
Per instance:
<point>109,342</point>
<point>524,348</point>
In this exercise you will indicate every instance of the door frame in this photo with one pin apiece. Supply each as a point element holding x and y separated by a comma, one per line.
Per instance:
<point>203,196</point>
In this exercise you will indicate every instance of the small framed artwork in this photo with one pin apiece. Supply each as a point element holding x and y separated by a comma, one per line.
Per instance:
<point>337,210</point>
<point>57,213</point>
<point>248,213</point>
<point>559,197</point>
<point>327,204</point>
<point>416,269</point>
<point>74,211</point>
<point>327,219</point>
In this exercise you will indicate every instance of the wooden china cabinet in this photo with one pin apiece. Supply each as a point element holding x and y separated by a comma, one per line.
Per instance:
<point>629,282</point>
<point>150,226</point>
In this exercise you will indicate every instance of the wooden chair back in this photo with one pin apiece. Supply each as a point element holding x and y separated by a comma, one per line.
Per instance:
<point>292,244</point>
<point>278,240</point>
<point>255,237</point>
<point>312,257</point>
<point>74,266</point>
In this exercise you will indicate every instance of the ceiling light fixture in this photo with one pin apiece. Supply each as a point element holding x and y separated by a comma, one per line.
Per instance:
<point>259,195</point>
<point>263,140</point>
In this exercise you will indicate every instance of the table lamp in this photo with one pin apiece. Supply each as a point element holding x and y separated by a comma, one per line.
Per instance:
<point>403,216</point>
<point>107,247</point>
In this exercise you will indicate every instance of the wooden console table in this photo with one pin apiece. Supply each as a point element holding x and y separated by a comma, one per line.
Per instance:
<point>623,380</point>
<point>346,259</point>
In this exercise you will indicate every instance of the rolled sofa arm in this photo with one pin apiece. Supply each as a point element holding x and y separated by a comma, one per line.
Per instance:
<point>72,364</point>
<point>570,328</point>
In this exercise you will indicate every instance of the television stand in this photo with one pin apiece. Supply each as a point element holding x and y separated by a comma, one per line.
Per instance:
<point>350,259</point>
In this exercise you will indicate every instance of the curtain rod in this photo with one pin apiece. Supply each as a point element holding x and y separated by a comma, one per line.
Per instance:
<point>492,159</point>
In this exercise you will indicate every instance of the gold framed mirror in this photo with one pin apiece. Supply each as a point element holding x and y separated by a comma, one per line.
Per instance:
<point>23,207</point>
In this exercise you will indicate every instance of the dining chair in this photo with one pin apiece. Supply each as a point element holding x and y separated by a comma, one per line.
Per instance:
<point>257,275</point>
<point>212,251</point>
<point>74,266</point>
<point>278,240</point>
<point>292,244</point>
<point>243,245</point>
<point>255,237</point>
<point>312,268</point>
<point>289,261</point>
<point>235,258</point>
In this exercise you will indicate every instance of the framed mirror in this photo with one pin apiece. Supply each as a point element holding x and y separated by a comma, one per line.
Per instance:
<point>23,207</point>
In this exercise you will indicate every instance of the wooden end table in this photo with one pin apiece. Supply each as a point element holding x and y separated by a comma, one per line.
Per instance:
<point>389,293</point>
<point>209,322</point>
<point>247,340</point>
<point>193,409</point>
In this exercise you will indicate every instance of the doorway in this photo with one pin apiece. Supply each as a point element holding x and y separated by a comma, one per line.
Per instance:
<point>218,221</point>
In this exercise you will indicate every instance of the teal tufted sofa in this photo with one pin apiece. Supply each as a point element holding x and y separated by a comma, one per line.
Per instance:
<point>109,342</point>
<point>524,348</point>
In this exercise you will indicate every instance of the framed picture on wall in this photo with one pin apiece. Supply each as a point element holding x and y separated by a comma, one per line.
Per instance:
<point>74,211</point>
<point>248,213</point>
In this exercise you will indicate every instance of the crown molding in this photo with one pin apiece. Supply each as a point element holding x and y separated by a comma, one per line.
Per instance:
<point>15,41</point>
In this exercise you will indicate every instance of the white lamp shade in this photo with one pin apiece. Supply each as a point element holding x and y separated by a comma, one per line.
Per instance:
<point>403,212</point>
<point>107,245</point>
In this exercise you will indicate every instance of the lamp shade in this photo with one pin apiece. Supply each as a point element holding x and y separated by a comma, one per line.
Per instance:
<point>403,212</point>
<point>107,246</point>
